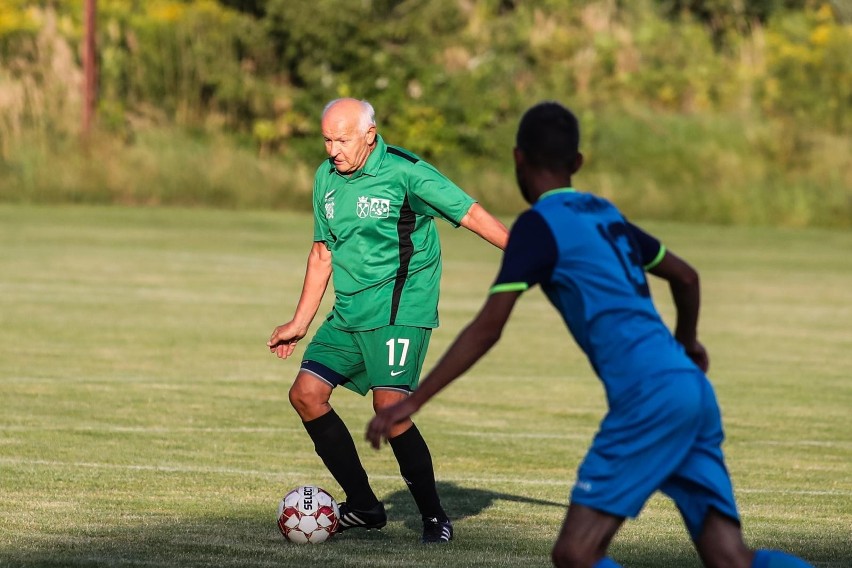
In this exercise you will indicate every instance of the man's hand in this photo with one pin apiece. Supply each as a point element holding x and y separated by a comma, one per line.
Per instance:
<point>283,340</point>
<point>698,354</point>
<point>380,426</point>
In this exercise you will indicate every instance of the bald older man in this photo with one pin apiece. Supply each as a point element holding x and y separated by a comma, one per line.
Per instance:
<point>374,233</point>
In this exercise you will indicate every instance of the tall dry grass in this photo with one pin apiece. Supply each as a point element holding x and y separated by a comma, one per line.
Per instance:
<point>40,86</point>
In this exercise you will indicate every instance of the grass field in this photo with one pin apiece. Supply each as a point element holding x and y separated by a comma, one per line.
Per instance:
<point>144,423</point>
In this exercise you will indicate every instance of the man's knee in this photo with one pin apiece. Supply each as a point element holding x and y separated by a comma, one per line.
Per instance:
<point>309,396</point>
<point>382,398</point>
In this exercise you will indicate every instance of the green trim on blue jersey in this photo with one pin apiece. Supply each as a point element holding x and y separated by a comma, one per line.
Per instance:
<point>509,287</point>
<point>555,191</point>
<point>657,259</point>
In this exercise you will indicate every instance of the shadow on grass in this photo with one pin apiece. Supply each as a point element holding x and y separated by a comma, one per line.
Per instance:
<point>459,502</point>
<point>250,538</point>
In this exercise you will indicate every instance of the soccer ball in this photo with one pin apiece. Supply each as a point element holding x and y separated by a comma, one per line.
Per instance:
<point>308,514</point>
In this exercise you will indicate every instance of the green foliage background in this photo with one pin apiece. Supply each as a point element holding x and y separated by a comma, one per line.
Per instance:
<point>692,109</point>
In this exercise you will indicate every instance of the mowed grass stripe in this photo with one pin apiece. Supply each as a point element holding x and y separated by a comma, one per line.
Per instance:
<point>143,430</point>
<point>490,481</point>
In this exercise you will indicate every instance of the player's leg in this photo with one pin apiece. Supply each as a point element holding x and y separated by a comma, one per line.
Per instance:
<point>584,538</point>
<point>415,465</point>
<point>310,395</point>
<point>332,440</point>
<point>394,358</point>
<point>702,490</point>
<point>645,434</point>
<point>721,545</point>
<point>331,356</point>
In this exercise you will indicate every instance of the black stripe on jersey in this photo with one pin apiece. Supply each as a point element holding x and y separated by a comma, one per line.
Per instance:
<point>404,229</point>
<point>401,154</point>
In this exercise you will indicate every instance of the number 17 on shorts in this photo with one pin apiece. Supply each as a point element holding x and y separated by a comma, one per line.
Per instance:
<point>393,355</point>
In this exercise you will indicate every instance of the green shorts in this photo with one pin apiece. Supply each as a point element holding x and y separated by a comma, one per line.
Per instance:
<point>389,357</point>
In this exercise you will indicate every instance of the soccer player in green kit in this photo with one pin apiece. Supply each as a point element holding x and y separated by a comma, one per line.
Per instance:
<point>374,234</point>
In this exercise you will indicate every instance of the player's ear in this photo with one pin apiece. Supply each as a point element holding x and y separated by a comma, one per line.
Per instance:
<point>578,162</point>
<point>519,156</point>
<point>371,135</point>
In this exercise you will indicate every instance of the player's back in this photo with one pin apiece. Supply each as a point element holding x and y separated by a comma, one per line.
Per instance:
<point>598,285</point>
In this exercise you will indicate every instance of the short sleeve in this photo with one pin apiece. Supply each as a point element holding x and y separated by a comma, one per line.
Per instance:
<point>530,255</point>
<point>433,194</point>
<point>651,250</point>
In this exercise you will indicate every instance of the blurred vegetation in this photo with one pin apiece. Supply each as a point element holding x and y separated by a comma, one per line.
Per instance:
<point>701,110</point>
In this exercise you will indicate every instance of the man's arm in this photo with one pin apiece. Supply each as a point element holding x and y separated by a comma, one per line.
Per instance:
<point>283,340</point>
<point>470,345</point>
<point>484,224</point>
<point>686,293</point>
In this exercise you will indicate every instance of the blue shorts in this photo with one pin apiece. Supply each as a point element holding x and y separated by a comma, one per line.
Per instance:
<point>666,434</point>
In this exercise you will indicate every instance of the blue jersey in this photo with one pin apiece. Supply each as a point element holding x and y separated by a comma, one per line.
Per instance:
<point>663,430</point>
<point>590,262</point>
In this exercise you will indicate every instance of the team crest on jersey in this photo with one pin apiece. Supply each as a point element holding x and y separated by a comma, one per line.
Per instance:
<point>329,209</point>
<point>379,207</point>
<point>363,207</point>
<point>372,207</point>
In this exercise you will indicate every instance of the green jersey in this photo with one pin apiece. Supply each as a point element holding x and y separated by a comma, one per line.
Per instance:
<point>379,225</point>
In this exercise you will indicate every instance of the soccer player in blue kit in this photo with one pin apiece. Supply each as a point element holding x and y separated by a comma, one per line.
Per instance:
<point>663,430</point>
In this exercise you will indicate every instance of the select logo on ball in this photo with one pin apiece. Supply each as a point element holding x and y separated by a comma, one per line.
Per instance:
<point>308,514</point>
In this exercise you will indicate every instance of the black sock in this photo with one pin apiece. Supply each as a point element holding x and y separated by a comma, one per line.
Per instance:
<point>334,445</point>
<point>415,465</point>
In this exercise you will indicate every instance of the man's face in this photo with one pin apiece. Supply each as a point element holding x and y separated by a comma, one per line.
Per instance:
<point>345,143</point>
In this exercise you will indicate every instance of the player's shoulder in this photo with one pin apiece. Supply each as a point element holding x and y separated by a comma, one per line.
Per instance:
<point>577,201</point>
<point>561,205</point>
<point>400,161</point>
<point>400,156</point>
<point>531,223</point>
<point>531,215</point>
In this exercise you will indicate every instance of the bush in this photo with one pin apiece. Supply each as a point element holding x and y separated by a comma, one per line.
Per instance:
<point>699,110</point>
<point>809,70</point>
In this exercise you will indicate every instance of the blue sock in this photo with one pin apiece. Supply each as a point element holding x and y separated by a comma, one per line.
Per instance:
<point>606,563</point>
<point>777,559</point>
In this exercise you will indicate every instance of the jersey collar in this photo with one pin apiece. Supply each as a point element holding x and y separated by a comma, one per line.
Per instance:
<point>556,191</point>
<point>374,160</point>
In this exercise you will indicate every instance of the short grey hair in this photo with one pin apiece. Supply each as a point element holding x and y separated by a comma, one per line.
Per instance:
<point>367,117</point>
